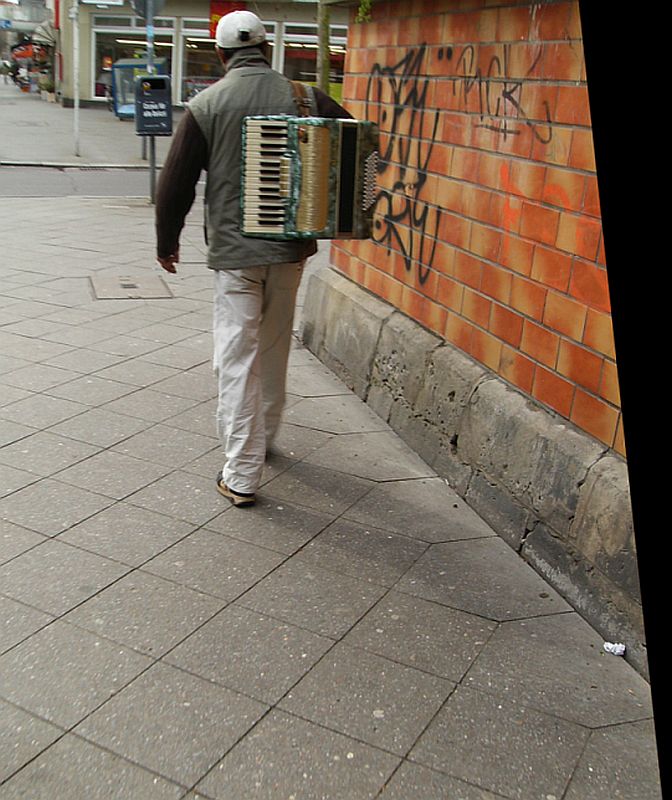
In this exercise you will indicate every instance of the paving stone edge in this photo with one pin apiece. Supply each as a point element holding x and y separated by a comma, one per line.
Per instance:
<point>555,495</point>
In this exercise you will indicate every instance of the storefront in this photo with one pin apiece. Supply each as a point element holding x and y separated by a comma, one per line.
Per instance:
<point>182,36</point>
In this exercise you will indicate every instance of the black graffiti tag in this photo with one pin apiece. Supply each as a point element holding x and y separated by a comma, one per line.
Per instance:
<point>396,99</point>
<point>499,98</point>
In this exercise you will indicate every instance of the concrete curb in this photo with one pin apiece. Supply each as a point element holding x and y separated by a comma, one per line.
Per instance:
<point>74,165</point>
<point>556,496</point>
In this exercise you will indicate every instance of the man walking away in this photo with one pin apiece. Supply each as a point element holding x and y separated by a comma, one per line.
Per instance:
<point>256,280</point>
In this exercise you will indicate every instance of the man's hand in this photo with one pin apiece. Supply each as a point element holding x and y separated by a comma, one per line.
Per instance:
<point>168,263</point>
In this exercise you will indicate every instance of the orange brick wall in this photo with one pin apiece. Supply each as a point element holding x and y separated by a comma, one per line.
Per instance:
<point>487,226</point>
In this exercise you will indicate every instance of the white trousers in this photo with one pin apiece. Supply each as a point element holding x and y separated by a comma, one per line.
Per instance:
<point>252,327</point>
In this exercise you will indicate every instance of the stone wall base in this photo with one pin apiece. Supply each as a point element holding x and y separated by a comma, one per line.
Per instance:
<point>554,494</point>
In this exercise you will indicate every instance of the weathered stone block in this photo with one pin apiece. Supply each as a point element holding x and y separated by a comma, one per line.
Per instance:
<point>538,459</point>
<point>342,326</point>
<point>551,492</point>
<point>403,350</point>
<point>611,611</point>
<point>450,379</point>
<point>510,519</point>
<point>603,527</point>
<point>416,431</point>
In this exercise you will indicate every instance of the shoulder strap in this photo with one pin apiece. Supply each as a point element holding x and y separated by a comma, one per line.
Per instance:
<point>301,98</point>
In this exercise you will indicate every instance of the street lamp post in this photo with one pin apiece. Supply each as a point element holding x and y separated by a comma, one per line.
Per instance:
<point>150,69</point>
<point>74,16</point>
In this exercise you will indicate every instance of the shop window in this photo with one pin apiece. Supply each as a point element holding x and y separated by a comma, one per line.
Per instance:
<point>110,47</point>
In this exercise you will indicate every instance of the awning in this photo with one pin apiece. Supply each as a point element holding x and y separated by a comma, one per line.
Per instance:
<point>45,34</point>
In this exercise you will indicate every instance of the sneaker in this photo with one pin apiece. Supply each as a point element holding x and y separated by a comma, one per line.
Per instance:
<point>237,498</point>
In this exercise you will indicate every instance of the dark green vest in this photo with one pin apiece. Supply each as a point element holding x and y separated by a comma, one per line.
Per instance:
<point>250,87</point>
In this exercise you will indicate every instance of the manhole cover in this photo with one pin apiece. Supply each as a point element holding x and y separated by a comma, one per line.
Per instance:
<point>123,287</point>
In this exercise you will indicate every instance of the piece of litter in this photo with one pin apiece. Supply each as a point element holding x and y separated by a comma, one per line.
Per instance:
<point>379,713</point>
<point>615,648</point>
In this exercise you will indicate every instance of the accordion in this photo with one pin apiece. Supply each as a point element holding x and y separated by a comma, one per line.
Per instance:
<point>308,177</point>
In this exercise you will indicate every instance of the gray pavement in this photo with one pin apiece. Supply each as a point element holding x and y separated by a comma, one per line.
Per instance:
<point>360,633</point>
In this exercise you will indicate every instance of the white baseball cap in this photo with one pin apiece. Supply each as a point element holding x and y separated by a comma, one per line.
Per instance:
<point>240,29</point>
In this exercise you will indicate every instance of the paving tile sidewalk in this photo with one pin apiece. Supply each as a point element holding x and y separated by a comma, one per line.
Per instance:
<point>360,633</point>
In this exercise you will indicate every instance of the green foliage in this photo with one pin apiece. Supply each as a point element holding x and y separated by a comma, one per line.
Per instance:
<point>364,11</point>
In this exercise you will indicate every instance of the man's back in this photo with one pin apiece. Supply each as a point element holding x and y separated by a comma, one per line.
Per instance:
<point>250,87</point>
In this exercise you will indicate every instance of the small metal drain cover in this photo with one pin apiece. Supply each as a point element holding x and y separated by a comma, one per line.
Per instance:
<point>133,287</point>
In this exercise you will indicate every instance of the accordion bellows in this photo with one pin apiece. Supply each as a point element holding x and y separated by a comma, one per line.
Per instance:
<point>308,177</point>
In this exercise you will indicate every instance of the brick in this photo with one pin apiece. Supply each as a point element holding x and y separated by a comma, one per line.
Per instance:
<point>392,290</point>
<point>564,188</point>
<point>582,150</point>
<point>506,212</point>
<point>459,332</point>
<point>537,104</point>
<point>449,195</point>
<point>486,349</point>
<point>448,98</point>
<point>382,30</point>
<point>552,145</point>
<point>462,28</point>
<point>574,24</point>
<point>517,369</point>
<point>440,159</point>
<point>565,316</point>
<point>526,179</point>
<point>468,270</point>
<point>408,31</point>
<point>373,280</point>
<point>516,254</point>
<point>465,165</point>
<point>430,282</point>
<point>589,284</point>
<point>455,230</point>
<point>476,307</point>
<point>431,29</point>
<point>525,60</point>
<point>594,416</point>
<point>553,21</point>
<point>496,282</point>
<point>551,267</point>
<point>483,138</point>
<point>579,235</point>
<point>609,385</point>
<point>562,61</point>
<point>572,106</point>
<point>580,366</point>
<point>487,21</point>
<point>514,136</point>
<point>591,200</point>
<point>506,325</point>
<point>444,258</point>
<point>601,254</point>
<point>539,223</point>
<point>449,293</point>
<point>619,438</point>
<point>540,344</point>
<point>456,129</point>
<point>397,266</point>
<point>476,205</point>
<point>423,310</point>
<point>491,169</point>
<point>514,23</point>
<point>485,241</point>
<point>599,333</point>
<point>553,391</point>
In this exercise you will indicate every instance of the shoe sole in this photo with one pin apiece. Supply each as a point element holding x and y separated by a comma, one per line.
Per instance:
<point>238,500</point>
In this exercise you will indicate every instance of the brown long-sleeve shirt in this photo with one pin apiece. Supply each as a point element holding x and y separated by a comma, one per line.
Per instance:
<point>187,158</point>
